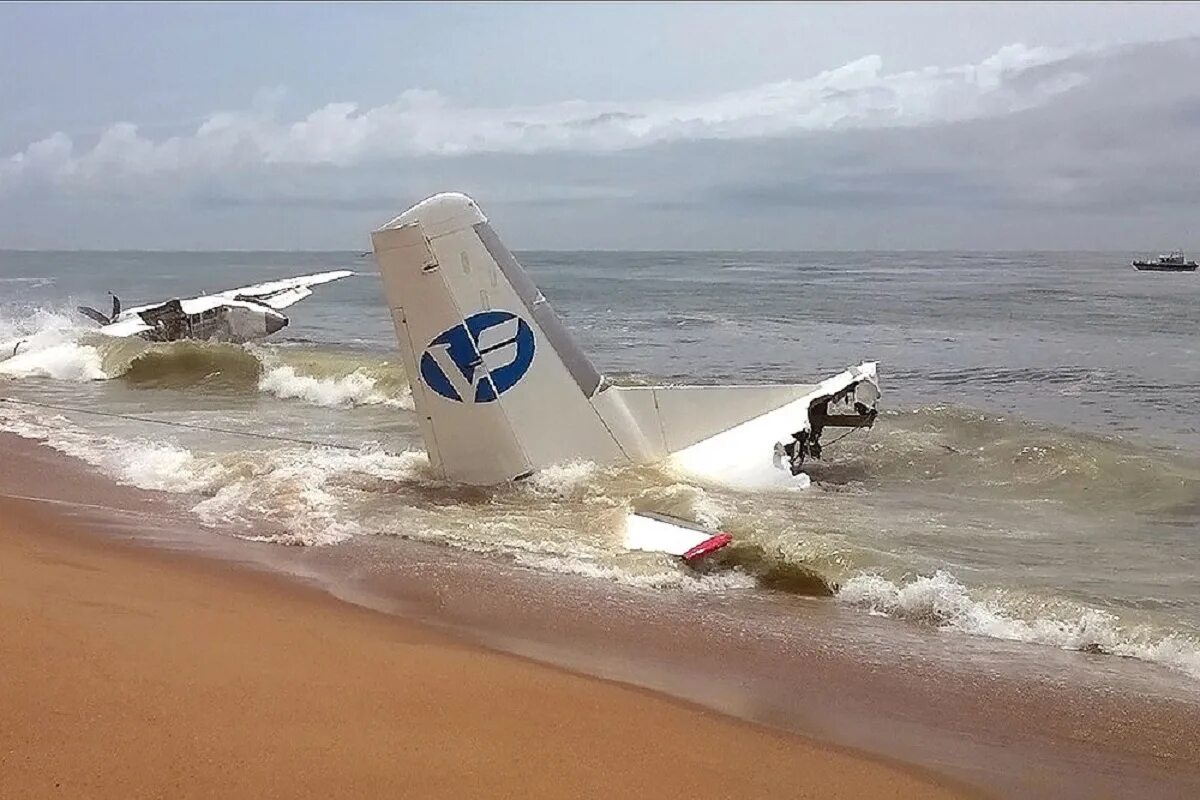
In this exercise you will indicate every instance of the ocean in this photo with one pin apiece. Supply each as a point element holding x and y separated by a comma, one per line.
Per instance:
<point>1034,475</point>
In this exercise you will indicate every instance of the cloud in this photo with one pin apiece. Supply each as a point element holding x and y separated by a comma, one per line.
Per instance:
<point>424,124</point>
<point>1087,149</point>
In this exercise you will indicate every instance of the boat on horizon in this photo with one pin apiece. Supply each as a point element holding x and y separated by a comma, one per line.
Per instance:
<point>1174,261</point>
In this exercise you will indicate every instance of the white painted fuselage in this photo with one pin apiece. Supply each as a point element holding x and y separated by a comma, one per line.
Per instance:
<point>501,389</point>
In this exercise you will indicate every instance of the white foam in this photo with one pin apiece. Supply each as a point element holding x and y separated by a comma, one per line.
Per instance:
<point>161,466</point>
<point>942,600</point>
<point>21,324</point>
<point>44,343</point>
<point>355,389</point>
<point>298,491</point>
<point>65,362</point>
<point>568,479</point>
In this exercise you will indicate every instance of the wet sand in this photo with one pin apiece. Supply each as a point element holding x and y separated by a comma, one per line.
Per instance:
<point>177,671</point>
<point>131,672</point>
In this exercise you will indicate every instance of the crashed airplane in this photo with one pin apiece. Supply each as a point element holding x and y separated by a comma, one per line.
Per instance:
<point>235,315</point>
<point>502,390</point>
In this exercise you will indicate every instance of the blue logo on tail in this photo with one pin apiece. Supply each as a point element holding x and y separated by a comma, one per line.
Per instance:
<point>480,359</point>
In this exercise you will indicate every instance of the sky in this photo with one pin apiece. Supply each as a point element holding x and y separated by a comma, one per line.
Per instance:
<point>603,126</point>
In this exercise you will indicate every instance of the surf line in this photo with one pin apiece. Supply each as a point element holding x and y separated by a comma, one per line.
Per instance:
<point>29,498</point>
<point>209,429</point>
<point>173,424</point>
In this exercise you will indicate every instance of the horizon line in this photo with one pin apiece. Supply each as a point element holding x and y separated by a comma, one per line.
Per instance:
<point>366,253</point>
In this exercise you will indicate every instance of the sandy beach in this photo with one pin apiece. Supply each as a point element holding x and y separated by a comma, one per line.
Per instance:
<point>136,673</point>
<point>146,656</point>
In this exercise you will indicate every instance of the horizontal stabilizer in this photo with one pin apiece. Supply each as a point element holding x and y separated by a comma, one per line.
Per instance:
<point>659,533</point>
<point>92,314</point>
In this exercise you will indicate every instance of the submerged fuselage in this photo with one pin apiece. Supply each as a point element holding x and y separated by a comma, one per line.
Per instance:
<point>233,321</point>
<point>235,315</point>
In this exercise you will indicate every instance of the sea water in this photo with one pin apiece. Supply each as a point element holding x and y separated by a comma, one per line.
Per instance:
<point>1034,476</point>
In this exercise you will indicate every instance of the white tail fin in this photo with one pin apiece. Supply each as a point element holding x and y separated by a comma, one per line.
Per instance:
<point>501,388</point>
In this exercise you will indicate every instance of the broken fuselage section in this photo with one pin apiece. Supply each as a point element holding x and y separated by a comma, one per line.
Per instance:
<point>501,389</point>
<point>236,315</point>
<point>852,407</point>
<point>229,321</point>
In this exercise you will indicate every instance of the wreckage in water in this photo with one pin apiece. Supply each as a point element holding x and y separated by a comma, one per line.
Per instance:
<point>234,315</point>
<point>501,389</point>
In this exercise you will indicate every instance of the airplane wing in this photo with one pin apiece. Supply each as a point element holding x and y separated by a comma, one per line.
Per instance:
<point>282,293</point>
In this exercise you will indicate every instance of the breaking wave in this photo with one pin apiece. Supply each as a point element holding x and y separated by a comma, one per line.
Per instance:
<point>297,492</point>
<point>356,389</point>
<point>43,343</point>
<point>183,365</point>
<point>943,601</point>
<point>569,519</point>
<point>64,361</point>
<point>159,466</point>
<point>854,535</point>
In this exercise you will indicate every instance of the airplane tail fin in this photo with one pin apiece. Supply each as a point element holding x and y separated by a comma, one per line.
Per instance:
<point>500,387</point>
